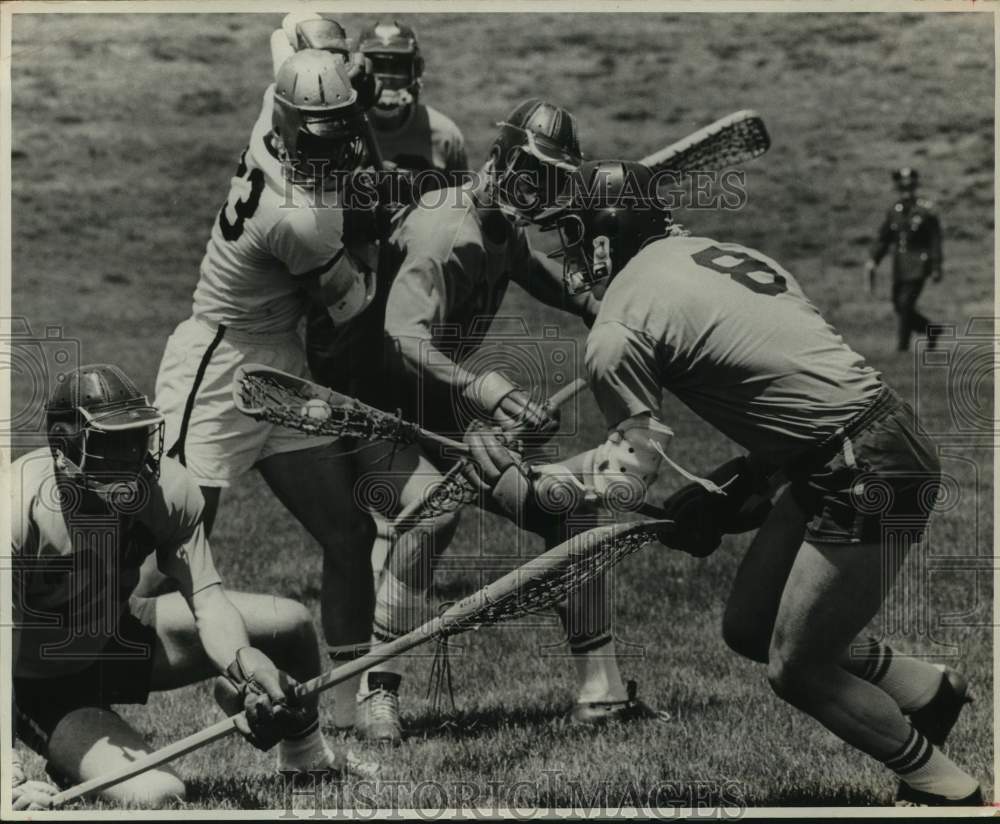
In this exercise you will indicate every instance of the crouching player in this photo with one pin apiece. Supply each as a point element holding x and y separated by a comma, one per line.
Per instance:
<point>86,514</point>
<point>447,266</point>
<point>730,333</point>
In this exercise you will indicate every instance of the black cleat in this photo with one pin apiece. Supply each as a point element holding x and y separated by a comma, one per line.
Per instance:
<point>939,715</point>
<point>598,713</point>
<point>906,796</point>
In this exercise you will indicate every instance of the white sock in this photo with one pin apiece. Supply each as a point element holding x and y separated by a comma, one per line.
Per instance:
<point>909,681</point>
<point>306,753</point>
<point>924,767</point>
<point>597,675</point>
<point>399,607</point>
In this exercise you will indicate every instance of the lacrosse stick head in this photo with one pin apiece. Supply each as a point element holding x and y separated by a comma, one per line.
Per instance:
<point>545,581</point>
<point>277,397</point>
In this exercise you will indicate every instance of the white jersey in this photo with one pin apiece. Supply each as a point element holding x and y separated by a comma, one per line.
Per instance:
<point>268,238</point>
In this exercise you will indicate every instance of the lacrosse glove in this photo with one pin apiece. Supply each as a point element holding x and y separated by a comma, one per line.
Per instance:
<point>531,500</point>
<point>272,711</point>
<point>512,409</point>
<point>702,517</point>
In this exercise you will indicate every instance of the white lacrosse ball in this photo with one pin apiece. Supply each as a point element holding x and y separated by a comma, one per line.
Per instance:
<point>316,409</point>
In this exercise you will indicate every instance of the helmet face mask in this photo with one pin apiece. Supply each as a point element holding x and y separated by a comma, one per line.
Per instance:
<point>529,183</point>
<point>532,158</point>
<point>398,66</point>
<point>112,463</point>
<point>103,433</point>
<point>604,217</point>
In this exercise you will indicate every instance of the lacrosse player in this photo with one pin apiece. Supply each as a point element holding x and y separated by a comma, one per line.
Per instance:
<point>447,266</point>
<point>730,333</point>
<point>418,144</point>
<point>412,135</point>
<point>87,511</point>
<point>281,239</point>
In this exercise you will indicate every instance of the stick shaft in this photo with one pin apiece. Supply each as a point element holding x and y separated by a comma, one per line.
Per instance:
<point>223,728</point>
<point>557,400</point>
<point>442,440</point>
<point>566,393</point>
<point>148,762</point>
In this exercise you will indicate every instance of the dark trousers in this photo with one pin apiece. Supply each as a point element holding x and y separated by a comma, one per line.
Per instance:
<point>904,301</point>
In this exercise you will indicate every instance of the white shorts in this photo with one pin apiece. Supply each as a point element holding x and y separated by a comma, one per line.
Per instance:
<point>204,430</point>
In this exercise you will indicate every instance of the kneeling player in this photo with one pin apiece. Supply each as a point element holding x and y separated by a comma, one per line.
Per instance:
<point>730,333</point>
<point>87,512</point>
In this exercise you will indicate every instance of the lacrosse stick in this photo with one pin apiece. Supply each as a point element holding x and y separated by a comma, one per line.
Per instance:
<point>729,141</point>
<point>453,492</point>
<point>277,397</point>
<point>531,588</point>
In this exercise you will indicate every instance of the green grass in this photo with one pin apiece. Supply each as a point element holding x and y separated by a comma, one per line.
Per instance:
<point>124,140</point>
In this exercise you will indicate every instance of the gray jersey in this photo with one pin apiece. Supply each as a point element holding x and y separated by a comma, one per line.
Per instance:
<point>730,333</point>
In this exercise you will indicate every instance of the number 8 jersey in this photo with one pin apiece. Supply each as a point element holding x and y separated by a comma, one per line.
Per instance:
<point>266,240</point>
<point>730,333</point>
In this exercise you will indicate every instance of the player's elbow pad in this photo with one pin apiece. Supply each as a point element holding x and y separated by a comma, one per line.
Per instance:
<point>623,468</point>
<point>346,289</point>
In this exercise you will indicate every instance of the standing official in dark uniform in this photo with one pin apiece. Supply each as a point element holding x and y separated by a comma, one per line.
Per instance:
<point>913,232</point>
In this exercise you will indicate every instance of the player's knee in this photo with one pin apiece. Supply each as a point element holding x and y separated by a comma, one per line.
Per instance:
<point>293,621</point>
<point>743,637</point>
<point>92,741</point>
<point>791,678</point>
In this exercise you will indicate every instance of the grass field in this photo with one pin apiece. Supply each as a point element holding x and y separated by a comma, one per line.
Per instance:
<point>126,131</point>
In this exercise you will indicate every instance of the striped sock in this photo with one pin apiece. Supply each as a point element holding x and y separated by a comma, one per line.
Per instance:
<point>924,767</point>
<point>344,704</point>
<point>910,682</point>
<point>399,607</point>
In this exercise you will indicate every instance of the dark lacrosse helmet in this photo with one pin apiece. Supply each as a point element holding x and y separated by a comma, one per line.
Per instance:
<point>396,61</point>
<point>531,158</point>
<point>103,432</point>
<point>607,212</point>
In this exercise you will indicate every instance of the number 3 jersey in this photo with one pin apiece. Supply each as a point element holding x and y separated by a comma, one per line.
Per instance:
<point>730,333</point>
<point>268,238</point>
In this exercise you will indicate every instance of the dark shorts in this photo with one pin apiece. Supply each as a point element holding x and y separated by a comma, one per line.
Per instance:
<point>883,479</point>
<point>43,702</point>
